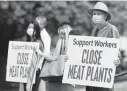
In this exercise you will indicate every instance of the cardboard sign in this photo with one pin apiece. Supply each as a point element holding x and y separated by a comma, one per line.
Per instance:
<point>32,70</point>
<point>19,60</point>
<point>91,61</point>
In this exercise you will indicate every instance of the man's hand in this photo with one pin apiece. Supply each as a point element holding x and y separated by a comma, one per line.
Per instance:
<point>117,62</point>
<point>66,58</point>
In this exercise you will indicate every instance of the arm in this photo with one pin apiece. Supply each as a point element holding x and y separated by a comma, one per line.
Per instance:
<point>115,34</point>
<point>56,53</point>
<point>46,43</point>
<point>46,40</point>
<point>50,57</point>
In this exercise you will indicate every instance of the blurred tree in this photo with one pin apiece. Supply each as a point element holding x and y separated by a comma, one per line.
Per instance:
<point>59,12</point>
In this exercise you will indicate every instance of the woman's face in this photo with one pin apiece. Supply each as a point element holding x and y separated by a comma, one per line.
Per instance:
<point>30,30</point>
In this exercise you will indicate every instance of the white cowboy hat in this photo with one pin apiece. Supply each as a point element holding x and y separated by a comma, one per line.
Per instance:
<point>102,7</point>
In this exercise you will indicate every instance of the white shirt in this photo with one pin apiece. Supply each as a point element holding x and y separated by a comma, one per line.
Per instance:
<point>46,40</point>
<point>45,37</point>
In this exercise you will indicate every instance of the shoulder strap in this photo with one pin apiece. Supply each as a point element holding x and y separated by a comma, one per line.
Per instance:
<point>41,45</point>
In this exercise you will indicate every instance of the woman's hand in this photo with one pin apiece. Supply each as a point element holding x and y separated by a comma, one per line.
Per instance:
<point>38,51</point>
<point>117,62</point>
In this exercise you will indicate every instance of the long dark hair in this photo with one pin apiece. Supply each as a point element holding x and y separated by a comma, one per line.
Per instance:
<point>36,34</point>
<point>36,30</point>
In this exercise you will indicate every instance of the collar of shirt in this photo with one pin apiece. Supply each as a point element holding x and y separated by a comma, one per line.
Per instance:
<point>94,31</point>
<point>102,26</point>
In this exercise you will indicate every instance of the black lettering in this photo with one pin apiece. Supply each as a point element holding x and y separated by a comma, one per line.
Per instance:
<point>82,72</point>
<point>83,55</point>
<point>74,41</point>
<point>87,56</point>
<point>99,57</point>
<point>101,74</point>
<point>88,72</point>
<point>14,71</point>
<point>101,44</point>
<point>92,74</point>
<point>96,57</point>
<point>97,43</point>
<point>23,72</point>
<point>75,72</point>
<point>96,75</point>
<point>110,44</point>
<point>71,73</point>
<point>79,72</point>
<point>22,58</point>
<point>105,74</point>
<point>83,43</point>
<point>109,73</point>
<point>106,45</point>
<point>18,58</point>
<point>91,56</point>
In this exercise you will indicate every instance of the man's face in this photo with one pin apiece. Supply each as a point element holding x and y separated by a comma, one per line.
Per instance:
<point>98,16</point>
<point>41,22</point>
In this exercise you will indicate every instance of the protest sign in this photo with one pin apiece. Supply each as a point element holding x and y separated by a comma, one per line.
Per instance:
<point>32,70</point>
<point>91,61</point>
<point>19,60</point>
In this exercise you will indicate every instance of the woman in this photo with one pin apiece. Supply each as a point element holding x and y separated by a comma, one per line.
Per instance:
<point>44,39</point>
<point>33,35</point>
<point>100,17</point>
<point>61,49</point>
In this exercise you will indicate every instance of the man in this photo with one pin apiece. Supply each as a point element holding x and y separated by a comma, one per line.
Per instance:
<point>100,17</point>
<point>41,20</point>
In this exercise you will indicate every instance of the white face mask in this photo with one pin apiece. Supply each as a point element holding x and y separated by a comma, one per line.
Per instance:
<point>97,19</point>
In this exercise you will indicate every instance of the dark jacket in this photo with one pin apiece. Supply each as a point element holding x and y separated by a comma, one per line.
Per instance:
<point>108,31</point>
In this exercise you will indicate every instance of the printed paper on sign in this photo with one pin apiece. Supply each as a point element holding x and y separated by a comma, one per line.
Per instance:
<point>32,70</point>
<point>91,61</point>
<point>19,60</point>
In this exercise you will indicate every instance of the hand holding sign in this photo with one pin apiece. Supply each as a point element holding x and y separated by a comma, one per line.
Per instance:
<point>38,51</point>
<point>92,63</point>
<point>19,60</point>
<point>117,62</point>
<point>66,58</point>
